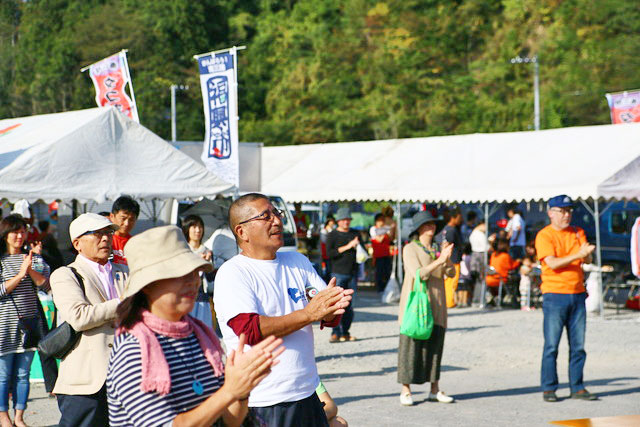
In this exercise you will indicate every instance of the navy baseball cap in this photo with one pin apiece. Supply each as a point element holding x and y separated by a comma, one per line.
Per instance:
<point>562,201</point>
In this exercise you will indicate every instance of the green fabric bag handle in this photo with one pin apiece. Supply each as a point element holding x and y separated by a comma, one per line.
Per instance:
<point>418,283</point>
<point>417,322</point>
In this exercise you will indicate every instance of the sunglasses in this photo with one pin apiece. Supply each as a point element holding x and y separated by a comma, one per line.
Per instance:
<point>267,215</point>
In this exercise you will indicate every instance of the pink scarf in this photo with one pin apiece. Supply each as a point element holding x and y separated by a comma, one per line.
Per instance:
<point>155,369</point>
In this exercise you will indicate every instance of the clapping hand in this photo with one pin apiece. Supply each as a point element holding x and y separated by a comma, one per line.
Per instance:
<point>36,248</point>
<point>329,302</point>
<point>445,252</point>
<point>245,369</point>
<point>585,250</point>
<point>25,267</point>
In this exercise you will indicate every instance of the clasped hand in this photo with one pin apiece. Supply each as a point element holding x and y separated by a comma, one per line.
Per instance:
<point>445,252</point>
<point>329,302</point>
<point>245,369</point>
<point>585,250</point>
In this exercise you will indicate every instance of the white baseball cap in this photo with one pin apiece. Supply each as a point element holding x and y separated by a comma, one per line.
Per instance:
<point>89,222</point>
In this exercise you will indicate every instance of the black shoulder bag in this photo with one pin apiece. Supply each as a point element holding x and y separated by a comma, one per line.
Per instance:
<point>61,340</point>
<point>31,327</point>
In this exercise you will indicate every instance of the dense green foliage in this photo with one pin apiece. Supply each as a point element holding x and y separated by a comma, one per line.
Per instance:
<point>331,70</point>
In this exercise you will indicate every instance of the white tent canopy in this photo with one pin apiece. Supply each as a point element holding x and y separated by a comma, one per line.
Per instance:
<point>597,162</point>
<point>96,154</point>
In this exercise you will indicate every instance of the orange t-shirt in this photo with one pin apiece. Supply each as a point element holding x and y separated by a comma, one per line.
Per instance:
<point>561,243</point>
<point>117,248</point>
<point>503,263</point>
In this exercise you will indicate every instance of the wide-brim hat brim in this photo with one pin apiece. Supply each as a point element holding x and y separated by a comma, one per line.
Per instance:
<point>439,222</point>
<point>177,266</point>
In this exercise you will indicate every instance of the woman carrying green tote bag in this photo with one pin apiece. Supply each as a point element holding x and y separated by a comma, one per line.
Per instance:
<point>417,322</point>
<point>421,339</point>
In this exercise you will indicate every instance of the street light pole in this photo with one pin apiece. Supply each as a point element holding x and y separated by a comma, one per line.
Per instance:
<point>536,94</point>
<point>536,86</point>
<point>173,109</point>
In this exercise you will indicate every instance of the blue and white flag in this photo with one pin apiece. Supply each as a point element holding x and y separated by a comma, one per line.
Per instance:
<point>220,99</point>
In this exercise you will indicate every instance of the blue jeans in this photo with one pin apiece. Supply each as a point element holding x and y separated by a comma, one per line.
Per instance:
<point>14,376</point>
<point>345,281</point>
<point>560,311</point>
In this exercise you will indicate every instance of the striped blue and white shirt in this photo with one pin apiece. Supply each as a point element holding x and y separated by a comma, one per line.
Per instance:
<point>130,406</point>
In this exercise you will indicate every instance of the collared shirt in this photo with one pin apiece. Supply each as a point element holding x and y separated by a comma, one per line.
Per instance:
<point>104,274</point>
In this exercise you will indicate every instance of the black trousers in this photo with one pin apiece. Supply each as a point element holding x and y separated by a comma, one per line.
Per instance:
<point>307,412</point>
<point>84,410</point>
<point>383,272</point>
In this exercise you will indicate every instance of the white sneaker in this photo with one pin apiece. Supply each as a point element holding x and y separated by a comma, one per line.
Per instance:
<point>406,399</point>
<point>440,397</point>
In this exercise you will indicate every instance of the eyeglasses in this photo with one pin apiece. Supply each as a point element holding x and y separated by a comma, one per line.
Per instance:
<point>564,211</point>
<point>99,233</point>
<point>267,215</point>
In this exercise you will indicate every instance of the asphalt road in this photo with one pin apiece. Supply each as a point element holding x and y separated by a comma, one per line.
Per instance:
<point>491,366</point>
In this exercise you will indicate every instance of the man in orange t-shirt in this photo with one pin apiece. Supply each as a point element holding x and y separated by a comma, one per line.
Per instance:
<point>124,213</point>
<point>562,248</point>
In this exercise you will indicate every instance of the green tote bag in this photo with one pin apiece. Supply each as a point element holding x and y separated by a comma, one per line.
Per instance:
<point>417,322</point>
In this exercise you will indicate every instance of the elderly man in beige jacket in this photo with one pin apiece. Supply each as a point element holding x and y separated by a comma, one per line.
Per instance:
<point>87,293</point>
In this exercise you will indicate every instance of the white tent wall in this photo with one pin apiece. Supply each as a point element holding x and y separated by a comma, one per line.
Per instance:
<point>516,166</point>
<point>95,155</point>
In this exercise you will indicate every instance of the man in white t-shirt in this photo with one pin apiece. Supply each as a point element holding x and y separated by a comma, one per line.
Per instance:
<point>262,292</point>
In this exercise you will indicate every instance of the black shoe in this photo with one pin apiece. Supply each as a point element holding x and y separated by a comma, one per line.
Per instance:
<point>549,396</point>
<point>584,395</point>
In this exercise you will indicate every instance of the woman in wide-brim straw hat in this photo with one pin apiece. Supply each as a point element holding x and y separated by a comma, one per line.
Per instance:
<point>166,367</point>
<point>419,360</point>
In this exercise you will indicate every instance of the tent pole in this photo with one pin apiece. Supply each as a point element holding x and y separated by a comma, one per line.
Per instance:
<point>486,256</point>
<point>596,215</point>
<point>154,213</point>
<point>399,245</point>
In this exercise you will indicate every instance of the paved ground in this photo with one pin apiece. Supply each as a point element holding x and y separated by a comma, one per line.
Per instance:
<point>491,366</point>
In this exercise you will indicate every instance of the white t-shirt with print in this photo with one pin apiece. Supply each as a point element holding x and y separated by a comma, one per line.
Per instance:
<point>272,288</point>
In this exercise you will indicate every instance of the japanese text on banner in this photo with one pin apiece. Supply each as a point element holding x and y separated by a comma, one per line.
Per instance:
<point>625,106</point>
<point>110,77</point>
<point>219,96</point>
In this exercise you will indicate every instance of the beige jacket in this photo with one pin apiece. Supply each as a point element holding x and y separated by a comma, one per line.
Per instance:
<point>414,258</point>
<point>84,370</point>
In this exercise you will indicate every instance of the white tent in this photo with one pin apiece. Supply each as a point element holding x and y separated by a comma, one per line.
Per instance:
<point>593,162</point>
<point>96,154</point>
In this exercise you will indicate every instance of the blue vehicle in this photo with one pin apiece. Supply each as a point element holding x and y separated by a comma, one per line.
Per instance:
<point>616,221</point>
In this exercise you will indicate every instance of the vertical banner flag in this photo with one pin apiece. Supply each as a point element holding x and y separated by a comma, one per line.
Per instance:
<point>625,106</point>
<point>110,77</point>
<point>220,99</point>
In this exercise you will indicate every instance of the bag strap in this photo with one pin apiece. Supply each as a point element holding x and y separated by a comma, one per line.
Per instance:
<point>420,283</point>
<point>79,279</point>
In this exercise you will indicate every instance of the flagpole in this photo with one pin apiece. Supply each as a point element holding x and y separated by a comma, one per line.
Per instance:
<point>219,51</point>
<point>82,70</point>
<point>133,96</point>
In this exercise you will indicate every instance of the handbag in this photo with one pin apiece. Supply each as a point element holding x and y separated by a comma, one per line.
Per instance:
<point>417,322</point>
<point>31,327</point>
<point>61,340</point>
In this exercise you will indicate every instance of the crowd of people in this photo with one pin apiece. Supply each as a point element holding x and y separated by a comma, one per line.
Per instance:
<point>147,351</point>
